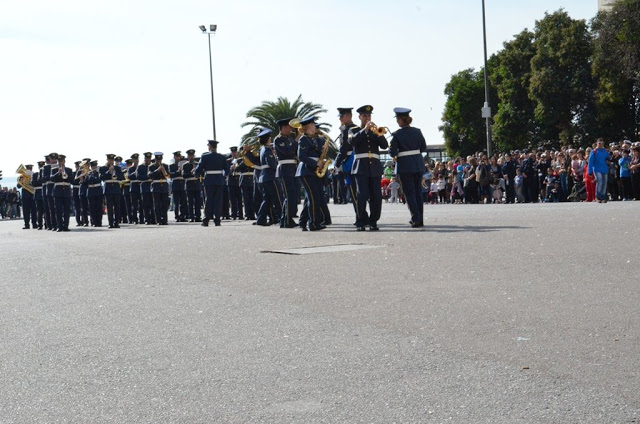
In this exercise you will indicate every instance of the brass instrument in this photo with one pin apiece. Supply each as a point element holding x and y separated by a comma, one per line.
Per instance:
<point>165,174</point>
<point>25,179</point>
<point>255,149</point>
<point>126,180</point>
<point>64,173</point>
<point>324,161</point>
<point>379,131</point>
<point>295,123</point>
<point>113,172</point>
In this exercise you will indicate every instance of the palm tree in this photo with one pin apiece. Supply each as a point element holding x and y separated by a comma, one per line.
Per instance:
<point>269,113</point>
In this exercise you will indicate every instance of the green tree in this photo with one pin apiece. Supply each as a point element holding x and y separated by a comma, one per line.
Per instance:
<point>515,125</point>
<point>463,127</point>
<point>616,66</point>
<point>561,82</point>
<point>269,113</point>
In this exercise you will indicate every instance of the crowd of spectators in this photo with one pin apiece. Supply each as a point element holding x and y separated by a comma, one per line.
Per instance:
<point>10,202</point>
<point>598,173</point>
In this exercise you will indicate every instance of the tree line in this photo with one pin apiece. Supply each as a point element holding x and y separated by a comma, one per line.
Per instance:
<point>565,82</point>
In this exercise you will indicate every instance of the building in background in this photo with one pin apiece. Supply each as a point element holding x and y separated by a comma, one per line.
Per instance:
<point>605,4</point>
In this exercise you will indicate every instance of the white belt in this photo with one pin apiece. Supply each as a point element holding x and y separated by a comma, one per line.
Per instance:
<point>158,181</point>
<point>49,182</point>
<point>367,155</point>
<point>287,162</point>
<point>219,172</point>
<point>409,153</point>
<point>191,179</point>
<point>38,188</point>
<point>76,186</point>
<point>350,152</point>
<point>111,181</point>
<point>316,159</point>
<point>246,173</point>
<point>62,184</point>
<point>177,178</point>
<point>260,167</point>
<point>95,185</point>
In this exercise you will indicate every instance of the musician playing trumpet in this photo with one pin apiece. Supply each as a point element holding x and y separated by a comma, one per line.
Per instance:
<point>160,189</point>
<point>62,179</point>
<point>178,187</point>
<point>367,168</point>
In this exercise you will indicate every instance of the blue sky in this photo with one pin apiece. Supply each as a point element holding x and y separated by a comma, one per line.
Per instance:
<point>87,78</point>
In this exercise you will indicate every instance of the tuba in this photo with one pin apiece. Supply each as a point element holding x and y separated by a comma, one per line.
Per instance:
<point>255,149</point>
<point>25,179</point>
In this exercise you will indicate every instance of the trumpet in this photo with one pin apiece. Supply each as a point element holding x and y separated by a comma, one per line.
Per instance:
<point>379,131</point>
<point>64,174</point>
<point>295,123</point>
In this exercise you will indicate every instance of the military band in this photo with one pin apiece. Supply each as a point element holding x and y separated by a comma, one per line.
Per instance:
<point>266,176</point>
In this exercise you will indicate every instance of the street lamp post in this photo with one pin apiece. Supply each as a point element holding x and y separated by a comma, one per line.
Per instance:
<point>486,110</point>
<point>212,30</point>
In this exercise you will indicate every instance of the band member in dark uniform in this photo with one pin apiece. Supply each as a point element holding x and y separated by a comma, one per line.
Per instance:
<point>137,214</point>
<point>77,206</point>
<point>47,191</point>
<point>246,186</point>
<point>63,193</point>
<point>145,190</point>
<point>37,185</point>
<point>111,175</point>
<point>126,214</point>
<point>28,202</point>
<point>286,146</point>
<point>213,167</point>
<point>257,169</point>
<point>271,200</point>
<point>407,146</point>
<point>94,194</point>
<point>194,188</point>
<point>344,160</point>
<point>178,187</point>
<point>84,190</point>
<point>159,173</point>
<point>367,168</point>
<point>309,151</point>
<point>233,185</point>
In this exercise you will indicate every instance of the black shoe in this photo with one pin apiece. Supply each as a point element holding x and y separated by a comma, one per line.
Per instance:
<point>116,226</point>
<point>39,228</point>
<point>147,223</point>
<point>26,227</point>
<point>290,225</point>
<point>78,225</point>
<point>110,226</point>
<point>265,224</point>
<point>59,230</point>
<point>205,222</point>
<point>327,222</point>
<point>66,229</point>
<point>192,220</point>
<point>373,227</point>
<point>304,228</point>
<point>217,224</point>
<point>86,225</point>
<point>318,228</point>
<point>360,228</point>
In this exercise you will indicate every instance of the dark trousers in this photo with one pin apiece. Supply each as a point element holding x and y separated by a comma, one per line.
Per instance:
<point>247,199</point>
<point>257,196</point>
<point>271,202</point>
<point>510,191</point>
<point>95,210</point>
<point>313,192</point>
<point>77,209</point>
<point>213,206</point>
<point>113,208</point>
<point>351,188</point>
<point>180,205</point>
<point>28,210</point>
<point>84,209</point>
<point>530,188</point>
<point>225,202</point>
<point>51,207</point>
<point>146,206</point>
<point>194,204</point>
<point>136,202</point>
<point>290,205</point>
<point>635,185</point>
<point>39,211</point>
<point>412,188</point>
<point>369,191</point>
<point>125,208</point>
<point>235,198</point>
<point>161,207</point>
<point>63,211</point>
<point>324,208</point>
<point>627,192</point>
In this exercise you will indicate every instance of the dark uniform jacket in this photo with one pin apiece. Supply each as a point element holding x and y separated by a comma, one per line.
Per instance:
<point>407,145</point>
<point>269,164</point>
<point>62,187</point>
<point>346,149</point>
<point>367,144</point>
<point>286,149</point>
<point>213,167</point>
<point>143,176</point>
<point>111,181</point>
<point>177,180</point>
<point>159,183</point>
<point>309,151</point>
<point>192,182</point>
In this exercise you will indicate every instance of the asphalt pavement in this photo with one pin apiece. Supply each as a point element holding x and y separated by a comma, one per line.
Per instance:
<point>490,314</point>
